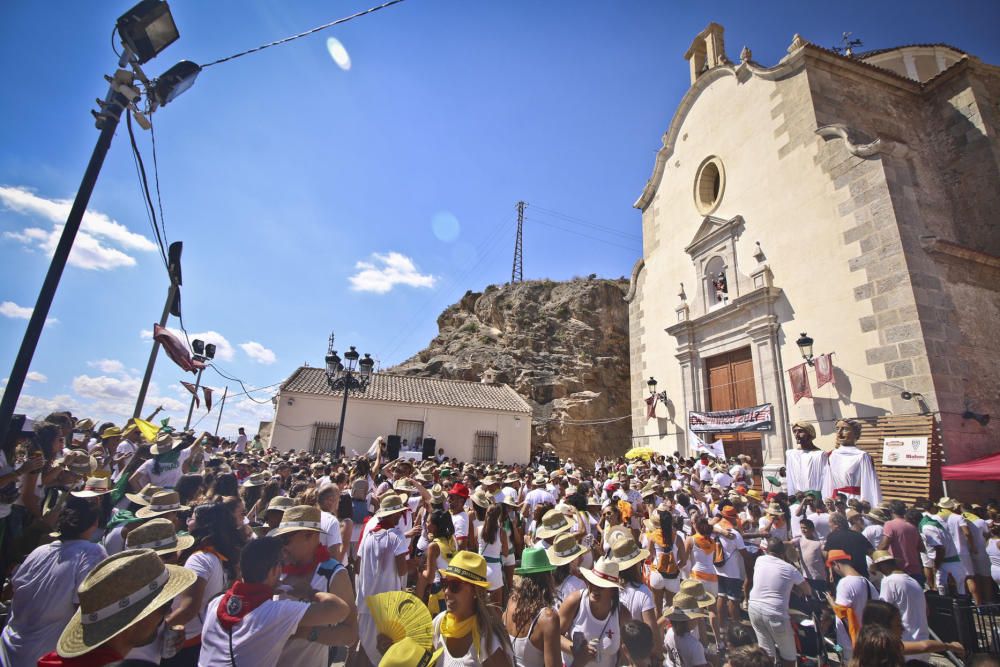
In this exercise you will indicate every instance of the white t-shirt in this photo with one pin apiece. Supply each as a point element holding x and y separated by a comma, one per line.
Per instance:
<point>45,598</point>
<point>773,579</point>
<point>169,474</point>
<point>208,568</point>
<point>903,591</point>
<point>683,650</point>
<point>303,652</point>
<point>853,591</point>
<point>124,447</point>
<point>461,523</point>
<point>731,568</point>
<point>241,443</point>
<point>637,599</point>
<point>257,640</point>
<point>330,537</point>
<point>378,553</point>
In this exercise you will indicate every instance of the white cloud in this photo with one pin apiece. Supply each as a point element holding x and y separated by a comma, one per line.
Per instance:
<point>96,229</point>
<point>258,352</point>
<point>104,386</point>
<point>14,311</point>
<point>35,376</point>
<point>223,348</point>
<point>112,366</point>
<point>387,271</point>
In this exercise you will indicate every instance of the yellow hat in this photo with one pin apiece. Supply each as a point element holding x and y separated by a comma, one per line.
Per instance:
<point>469,567</point>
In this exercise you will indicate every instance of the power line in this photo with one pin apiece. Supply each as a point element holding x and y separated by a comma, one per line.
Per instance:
<point>156,179</point>
<point>584,235</point>
<point>303,34</point>
<point>141,169</point>
<point>235,379</point>
<point>580,221</point>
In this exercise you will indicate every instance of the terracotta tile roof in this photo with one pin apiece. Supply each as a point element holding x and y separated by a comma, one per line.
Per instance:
<point>410,389</point>
<point>875,52</point>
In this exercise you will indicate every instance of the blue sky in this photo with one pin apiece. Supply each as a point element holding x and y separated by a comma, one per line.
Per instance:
<point>313,198</point>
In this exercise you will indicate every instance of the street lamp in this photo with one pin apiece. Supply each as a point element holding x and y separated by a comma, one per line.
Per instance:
<point>805,344</point>
<point>202,353</point>
<point>145,30</point>
<point>345,378</point>
<point>651,383</point>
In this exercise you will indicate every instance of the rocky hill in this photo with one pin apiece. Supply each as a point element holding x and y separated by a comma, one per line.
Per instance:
<point>563,346</point>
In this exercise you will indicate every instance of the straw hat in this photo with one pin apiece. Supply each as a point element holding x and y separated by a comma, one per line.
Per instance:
<point>553,523</point>
<point>511,478</point>
<point>391,504</point>
<point>755,495</point>
<point>603,575</point>
<point>437,495</point>
<point>489,480</point>
<point>405,487</point>
<point>878,515</point>
<point>615,532</point>
<point>94,488</point>
<point>162,502</point>
<point>467,566</point>
<point>160,536</point>
<point>510,499</point>
<point>299,517</point>
<point>881,557</point>
<point>565,549</point>
<point>256,479</point>
<point>695,590</point>
<point>648,490</point>
<point>774,509</point>
<point>78,462</point>
<point>165,442</point>
<point>280,504</point>
<point>627,553</point>
<point>679,613</point>
<point>594,501</point>
<point>408,653</point>
<point>481,498</point>
<point>145,494</point>
<point>534,560</point>
<point>111,432</point>
<point>118,593</point>
<point>947,503</point>
<point>422,477</point>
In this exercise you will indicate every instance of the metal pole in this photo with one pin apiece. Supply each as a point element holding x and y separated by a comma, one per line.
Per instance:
<point>343,415</point>
<point>107,122</point>
<point>171,295</point>
<point>221,408</point>
<point>194,397</point>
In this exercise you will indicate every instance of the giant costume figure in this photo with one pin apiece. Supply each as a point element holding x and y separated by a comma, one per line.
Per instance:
<point>805,467</point>
<point>850,470</point>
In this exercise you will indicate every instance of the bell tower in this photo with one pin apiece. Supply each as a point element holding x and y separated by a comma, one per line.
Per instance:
<point>708,50</point>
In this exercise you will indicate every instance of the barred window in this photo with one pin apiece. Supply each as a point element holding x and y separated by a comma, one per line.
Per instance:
<point>324,438</point>
<point>485,450</point>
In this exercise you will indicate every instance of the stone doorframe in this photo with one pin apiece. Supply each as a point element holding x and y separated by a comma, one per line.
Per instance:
<point>749,319</point>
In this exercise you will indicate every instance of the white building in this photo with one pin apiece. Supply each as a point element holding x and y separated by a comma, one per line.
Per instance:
<point>472,421</point>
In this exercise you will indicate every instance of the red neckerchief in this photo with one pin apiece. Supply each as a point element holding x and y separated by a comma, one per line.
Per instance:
<point>241,599</point>
<point>102,655</point>
<point>301,570</point>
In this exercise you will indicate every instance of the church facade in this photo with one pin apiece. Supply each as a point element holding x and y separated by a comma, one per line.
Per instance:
<point>855,198</point>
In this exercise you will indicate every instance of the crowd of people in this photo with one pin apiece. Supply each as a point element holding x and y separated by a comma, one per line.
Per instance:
<point>121,546</point>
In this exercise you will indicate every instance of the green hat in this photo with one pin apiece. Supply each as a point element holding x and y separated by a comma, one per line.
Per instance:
<point>444,472</point>
<point>773,480</point>
<point>815,494</point>
<point>534,561</point>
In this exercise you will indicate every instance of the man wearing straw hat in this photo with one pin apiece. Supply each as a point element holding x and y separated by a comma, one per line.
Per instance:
<point>309,568</point>
<point>773,581</point>
<point>682,649</point>
<point>382,567</point>
<point>246,627</point>
<point>123,601</point>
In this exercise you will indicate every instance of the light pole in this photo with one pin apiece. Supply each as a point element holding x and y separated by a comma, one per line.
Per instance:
<point>344,378</point>
<point>145,30</point>
<point>651,383</point>
<point>202,353</point>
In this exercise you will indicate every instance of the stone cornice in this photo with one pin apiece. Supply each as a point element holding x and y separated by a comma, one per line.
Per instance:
<point>633,281</point>
<point>734,309</point>
<point>934,245</point>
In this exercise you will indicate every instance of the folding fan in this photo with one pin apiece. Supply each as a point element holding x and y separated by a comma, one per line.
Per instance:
<point>399,614</point>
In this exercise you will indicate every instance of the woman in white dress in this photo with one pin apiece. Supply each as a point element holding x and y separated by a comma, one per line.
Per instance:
<point>469,632</point>
<point>636,595</point>
<point>441,547</point>
<point>493,548</point>
<point>668,556</point>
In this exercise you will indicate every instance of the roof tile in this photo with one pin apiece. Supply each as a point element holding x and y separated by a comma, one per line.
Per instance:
<point>411,389</point>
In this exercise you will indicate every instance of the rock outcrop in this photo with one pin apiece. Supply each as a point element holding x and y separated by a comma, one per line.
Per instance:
<point>563,346</point>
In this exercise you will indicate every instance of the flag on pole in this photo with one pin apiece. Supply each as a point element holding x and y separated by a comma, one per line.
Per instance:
<point>175,349</point>
<point>651,407</point>
<point>824,370</point>
<point>194,392</point>
<point>208,398</point>
<point>147,429</point>
<point>715,449</point>
<point>800,382</point>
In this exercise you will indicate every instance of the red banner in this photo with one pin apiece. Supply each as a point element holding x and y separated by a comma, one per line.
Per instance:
<point>208,398</point>
<point>194,392</point>
<point>824,370</point>
<point>175,349</point>
<point>651,407</point>
<point>800,382</point>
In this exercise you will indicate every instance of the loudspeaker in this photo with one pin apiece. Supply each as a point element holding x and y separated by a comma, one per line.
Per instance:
<point>393,443</point>
<point>430,448</point>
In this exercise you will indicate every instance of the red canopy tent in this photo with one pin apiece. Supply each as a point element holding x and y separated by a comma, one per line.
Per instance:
<point>977,470</point>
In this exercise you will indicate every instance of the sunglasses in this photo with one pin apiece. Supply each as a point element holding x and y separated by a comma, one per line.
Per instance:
<point>453,585</point>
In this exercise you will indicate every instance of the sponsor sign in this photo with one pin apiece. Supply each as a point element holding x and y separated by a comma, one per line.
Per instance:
<point>910,452</point>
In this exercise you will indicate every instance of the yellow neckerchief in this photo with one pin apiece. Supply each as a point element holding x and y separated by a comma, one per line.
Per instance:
<point>448,547</point>
<point>656,537</point>
<point>452,628</point>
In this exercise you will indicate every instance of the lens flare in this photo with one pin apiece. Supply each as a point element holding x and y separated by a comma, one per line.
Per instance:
<point>446,226</point>
<point>338,53</point>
